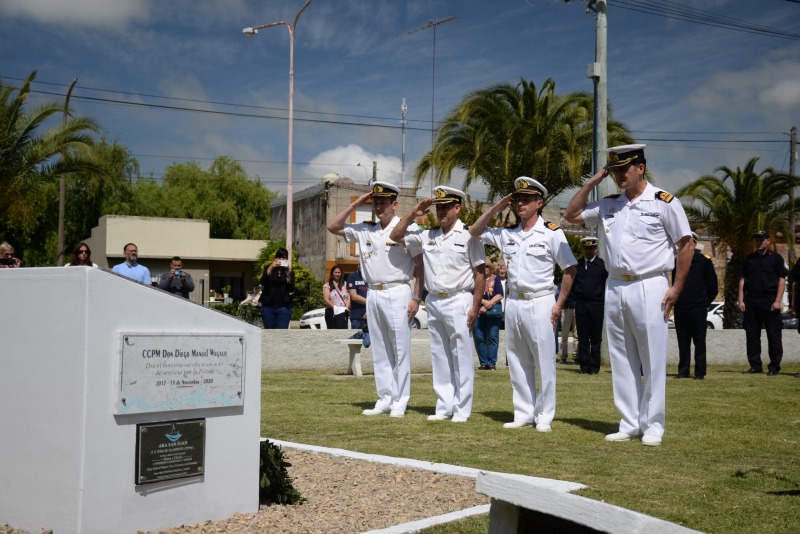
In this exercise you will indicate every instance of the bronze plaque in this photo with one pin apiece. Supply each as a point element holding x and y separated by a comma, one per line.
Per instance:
<point>165,451</point>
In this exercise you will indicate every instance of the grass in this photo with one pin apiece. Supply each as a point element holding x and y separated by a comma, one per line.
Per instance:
<point>730,461</point>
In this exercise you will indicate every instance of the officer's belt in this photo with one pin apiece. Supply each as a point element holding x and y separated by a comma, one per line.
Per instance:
<point>632,277</point>
<point>530,295</point>
<point>444,294</point>
<point>387,285</point>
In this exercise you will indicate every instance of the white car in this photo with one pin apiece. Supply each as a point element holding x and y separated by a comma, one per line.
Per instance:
<point>713,318</point>
<point>315,319</point>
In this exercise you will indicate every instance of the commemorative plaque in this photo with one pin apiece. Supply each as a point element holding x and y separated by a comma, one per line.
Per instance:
<point>168,372</point>
<point>165,451</point>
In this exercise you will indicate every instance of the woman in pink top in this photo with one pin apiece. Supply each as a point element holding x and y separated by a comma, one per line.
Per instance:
<point>337,300</point>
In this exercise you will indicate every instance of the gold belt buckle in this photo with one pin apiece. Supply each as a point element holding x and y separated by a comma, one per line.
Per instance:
<point>628,277</point>
<point>442,295</point>
<point>521,295</point>
<point>379,287</point>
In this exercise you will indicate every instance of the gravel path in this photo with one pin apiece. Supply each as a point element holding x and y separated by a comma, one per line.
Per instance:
<point>347,496</point>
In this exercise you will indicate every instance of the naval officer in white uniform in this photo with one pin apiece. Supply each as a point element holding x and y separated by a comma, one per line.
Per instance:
<point>454,277</point>
<point>388,268</point>
<point>530,250</point>
<point>642,227</point>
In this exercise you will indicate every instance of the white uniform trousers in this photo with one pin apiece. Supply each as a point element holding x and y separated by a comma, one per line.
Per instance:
<point>637,343</point>
<point>530,345</point>
<point>451,353</point>
<point>387,317</point>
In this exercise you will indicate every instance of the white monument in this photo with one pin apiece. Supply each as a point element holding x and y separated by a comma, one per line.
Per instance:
<point>122,407</point>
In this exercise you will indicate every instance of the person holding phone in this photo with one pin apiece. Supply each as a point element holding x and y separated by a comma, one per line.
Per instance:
<point>337,300</point>
<point>176,281</point>
<point>277,286</point>
<point>7,259</point>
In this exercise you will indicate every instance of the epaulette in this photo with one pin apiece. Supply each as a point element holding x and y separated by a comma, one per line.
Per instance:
<point>616,195</point>
<point>551,226</point>
<point>663,195</point>
<point>706,255</point>
<point>511,226</point>
<point>368,221</point>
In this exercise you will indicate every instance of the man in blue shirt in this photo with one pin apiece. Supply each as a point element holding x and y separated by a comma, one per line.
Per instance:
<point>130,268</point>
<point>357,288</point>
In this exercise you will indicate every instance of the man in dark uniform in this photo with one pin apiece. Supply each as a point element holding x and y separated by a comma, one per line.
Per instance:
<point>761,284</point>
<point>795,301</point>
<point>691,309</point>
<point>589,290</point>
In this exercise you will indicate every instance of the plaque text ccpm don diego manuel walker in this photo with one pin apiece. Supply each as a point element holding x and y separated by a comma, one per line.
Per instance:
<point>168,372</point>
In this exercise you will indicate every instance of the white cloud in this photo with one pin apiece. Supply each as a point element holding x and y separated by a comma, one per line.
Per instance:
<point>785,94</point>
<point>91,13</point>
<point>355,162</point>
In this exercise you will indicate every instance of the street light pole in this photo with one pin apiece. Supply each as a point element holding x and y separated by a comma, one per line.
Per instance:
<point>249,32</point>
<point>62,190</point>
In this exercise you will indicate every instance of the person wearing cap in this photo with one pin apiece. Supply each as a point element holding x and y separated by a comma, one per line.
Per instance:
<point>454,278</point>
<point>762,280</point>
<point>388,268</point>
<point>642,227</point>
<point>691,309</point>
<point>531,249</point>
<point>589,289</point>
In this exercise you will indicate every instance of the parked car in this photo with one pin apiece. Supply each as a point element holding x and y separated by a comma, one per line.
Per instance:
<point>713,317</point>
<point>315,319</point>
<point>789,322</point>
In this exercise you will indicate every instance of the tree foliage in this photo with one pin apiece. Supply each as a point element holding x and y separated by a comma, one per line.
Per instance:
<point>733,206</point>
<point>505,131</point>
<point>37,146</point>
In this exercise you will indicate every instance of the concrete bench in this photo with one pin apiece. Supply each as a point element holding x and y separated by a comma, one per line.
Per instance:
<point>355,346</point>
<point>527,504</point>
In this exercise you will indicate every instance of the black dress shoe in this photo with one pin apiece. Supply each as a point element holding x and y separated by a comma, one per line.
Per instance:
<point>681,376</point>
<point>753,371</point>
<point>772,373</point>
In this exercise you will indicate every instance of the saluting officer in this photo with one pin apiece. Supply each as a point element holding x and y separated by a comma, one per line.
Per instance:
<point>761,285</point>
<point>691,311</point>
<point>454,279</point>
<point>388,268</point>
<point>642,227</point>
<point>530,250</point>
<point>589,290</point>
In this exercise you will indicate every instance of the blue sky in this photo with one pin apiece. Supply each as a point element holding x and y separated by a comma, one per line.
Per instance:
<point>681,87</point>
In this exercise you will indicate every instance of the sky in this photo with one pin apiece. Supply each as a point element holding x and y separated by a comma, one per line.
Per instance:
<point>177,81</point>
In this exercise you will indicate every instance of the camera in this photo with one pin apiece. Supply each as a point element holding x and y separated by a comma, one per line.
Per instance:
<point>283,263</point>
<point>8,261</point>
<point>178,273</point>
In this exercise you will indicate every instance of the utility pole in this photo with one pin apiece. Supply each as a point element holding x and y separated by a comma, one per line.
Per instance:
<point>403,122</point>
<point>62,188</point>
<point>792,219</point>
<point>374,171</point>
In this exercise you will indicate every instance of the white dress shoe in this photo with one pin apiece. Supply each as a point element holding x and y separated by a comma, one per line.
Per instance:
<point>374,411</point>
<point>620,436</point>
<point>653,441</point>
<point>516,424</point>
<point>543,427</point>
<point>397,413</point>
<point>437,417</point>
<point>459,419</point>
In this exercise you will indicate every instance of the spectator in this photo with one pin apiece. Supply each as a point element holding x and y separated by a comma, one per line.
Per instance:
<point>176,281</point>
<point>487,330</point>
<point>567,326</point>
<point>337,300</point>
<point>277,286</point>
<point>357,288</point>
<point>81,255</point>
<point>589,289</point>
<point>7,259</point>
<point>131,268</point>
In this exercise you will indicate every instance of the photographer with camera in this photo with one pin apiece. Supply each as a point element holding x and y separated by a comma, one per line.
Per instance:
<point>176,281</point>
<point>7,259</point>
<point>277,286</point>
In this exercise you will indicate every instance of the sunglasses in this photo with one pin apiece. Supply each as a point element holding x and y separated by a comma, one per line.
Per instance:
<point>83,252</point>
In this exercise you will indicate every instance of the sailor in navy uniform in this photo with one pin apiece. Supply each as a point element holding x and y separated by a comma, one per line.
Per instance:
<point>589,290</point>
<point>454,279</point>
<point>388,268</point>
<point>691,310</point>
<point>643,227</point>
<point>530,250</point>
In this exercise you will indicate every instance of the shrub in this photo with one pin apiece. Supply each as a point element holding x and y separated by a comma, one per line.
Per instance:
<point>275,485</point>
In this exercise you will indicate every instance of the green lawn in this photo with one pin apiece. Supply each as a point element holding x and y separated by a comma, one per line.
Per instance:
<point>730,461</point>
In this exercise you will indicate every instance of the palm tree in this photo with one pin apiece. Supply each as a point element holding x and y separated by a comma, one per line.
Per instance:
<point>735,205</point>
<point>505,131</point>
<point>31,157</point>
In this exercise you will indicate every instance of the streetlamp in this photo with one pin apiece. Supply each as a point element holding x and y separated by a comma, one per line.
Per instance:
<point>249,32</point>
